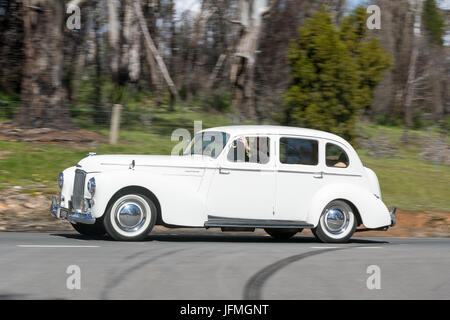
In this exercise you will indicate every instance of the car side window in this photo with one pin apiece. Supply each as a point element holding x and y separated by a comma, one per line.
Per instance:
<point>299,151</point>
<point>336,157</point>
<point>250,150</point>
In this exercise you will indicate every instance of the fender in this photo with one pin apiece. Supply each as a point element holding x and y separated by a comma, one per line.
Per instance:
<point>181,203</point>
<point>374,213</point>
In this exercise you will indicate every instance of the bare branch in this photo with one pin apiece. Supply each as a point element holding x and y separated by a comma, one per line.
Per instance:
<point>152,51</point>
<point>269,9</point>
<point>235,22</point>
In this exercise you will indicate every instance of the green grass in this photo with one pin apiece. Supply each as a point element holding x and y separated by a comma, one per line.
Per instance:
<point>35,166</point>
<point>406,181</point>
<point>411,184</point>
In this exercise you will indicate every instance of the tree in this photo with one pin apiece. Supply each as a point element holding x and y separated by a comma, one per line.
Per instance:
<point>11,47</point>
<point>435,77</point>
<point>333,74</point>
<point>412,70</point>
<point>42,95</point>
<point>433,22</point>
<point>372,61</point>
<point>396,37</point>
<point>251,14</point>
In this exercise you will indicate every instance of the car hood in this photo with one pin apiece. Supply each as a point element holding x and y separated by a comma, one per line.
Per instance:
<point>106,162</point>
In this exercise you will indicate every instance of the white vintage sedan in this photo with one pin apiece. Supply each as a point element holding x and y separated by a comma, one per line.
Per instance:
<point>236,178</point>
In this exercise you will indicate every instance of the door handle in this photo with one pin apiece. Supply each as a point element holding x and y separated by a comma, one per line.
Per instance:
<point>318,175</point>
<point>224,171</point>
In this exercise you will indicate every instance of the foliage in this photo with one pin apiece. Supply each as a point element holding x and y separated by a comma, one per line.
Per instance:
<point>9,104</point>
<point>334,72</point>
<point>220,100</point>
<point>386,119</point>
<point>433,22</point>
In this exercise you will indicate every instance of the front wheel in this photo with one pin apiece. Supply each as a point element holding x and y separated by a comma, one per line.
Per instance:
<point>130,217</point>
<point>337,223</point>
<point>282,234</point>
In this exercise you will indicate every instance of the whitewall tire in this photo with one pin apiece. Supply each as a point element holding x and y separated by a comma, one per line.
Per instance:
<point>130,217</point>
<point>337,223</point>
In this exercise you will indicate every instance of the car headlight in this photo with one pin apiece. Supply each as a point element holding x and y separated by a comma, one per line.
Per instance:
<point>91,186</point>
<point>61,180</point>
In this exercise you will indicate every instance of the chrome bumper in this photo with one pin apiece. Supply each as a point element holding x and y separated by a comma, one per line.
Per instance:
<point>70,215</point>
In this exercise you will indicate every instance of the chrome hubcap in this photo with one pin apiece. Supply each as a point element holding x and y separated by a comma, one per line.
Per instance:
<point>130,215</point>
<point>336,220</point>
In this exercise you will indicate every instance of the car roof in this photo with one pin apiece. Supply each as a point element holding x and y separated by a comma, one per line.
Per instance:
<point>282,130</point>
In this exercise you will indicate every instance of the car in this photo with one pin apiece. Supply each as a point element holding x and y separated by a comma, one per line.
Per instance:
<point>237,178</point>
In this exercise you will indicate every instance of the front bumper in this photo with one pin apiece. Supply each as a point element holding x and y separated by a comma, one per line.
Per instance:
<point>70,215</point>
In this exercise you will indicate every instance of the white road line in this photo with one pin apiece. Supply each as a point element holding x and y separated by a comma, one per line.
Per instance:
<point>342,247</point>
<point>369,247</point>
<point>52,246</point>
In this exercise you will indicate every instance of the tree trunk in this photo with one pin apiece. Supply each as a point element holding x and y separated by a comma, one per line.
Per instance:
<point>100,114</point>
<point>151,51</point>
<point>409,91</point>
<point>190,74</point>
<point>173,50</point>
<point>153,8</point>
<point>42,94</point>
<point>243,63</point>
<point>129,59</point>
<point>113,38</point>
<point>85,47</point>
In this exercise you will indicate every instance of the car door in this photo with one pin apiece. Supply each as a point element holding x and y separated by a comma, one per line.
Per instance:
<point>244,183</point>
<point>299,175</point>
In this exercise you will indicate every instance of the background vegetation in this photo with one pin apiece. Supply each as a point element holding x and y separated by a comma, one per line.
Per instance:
<point>296,62</point>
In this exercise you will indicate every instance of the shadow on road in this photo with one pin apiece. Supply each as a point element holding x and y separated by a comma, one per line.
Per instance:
<point>12,296</point>
<point>215,238</point>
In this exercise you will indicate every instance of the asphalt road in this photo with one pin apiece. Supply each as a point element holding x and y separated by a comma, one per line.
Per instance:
<point>192,266</point>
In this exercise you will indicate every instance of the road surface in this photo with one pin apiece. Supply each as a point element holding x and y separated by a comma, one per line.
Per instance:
<point>196,266</point>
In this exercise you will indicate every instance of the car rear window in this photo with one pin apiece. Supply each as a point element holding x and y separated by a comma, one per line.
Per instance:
<point>336,157</point>
<point>299,151</point>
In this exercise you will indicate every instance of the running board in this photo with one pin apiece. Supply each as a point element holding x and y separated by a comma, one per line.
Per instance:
<point>219,222</point>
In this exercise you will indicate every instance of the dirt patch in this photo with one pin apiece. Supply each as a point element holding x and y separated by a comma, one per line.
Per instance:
<point>4,154</point>
<point>27,212</point>
<point>416,224</point>
<point>72,136</point>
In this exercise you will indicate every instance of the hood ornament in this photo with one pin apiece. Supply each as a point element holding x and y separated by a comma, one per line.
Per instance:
<point>90,154</point>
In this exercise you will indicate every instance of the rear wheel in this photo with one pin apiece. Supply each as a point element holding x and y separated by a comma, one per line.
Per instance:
<point>130,217</point>
<point>96,229</point>
<point>337,223</point>
<point>282,234</point>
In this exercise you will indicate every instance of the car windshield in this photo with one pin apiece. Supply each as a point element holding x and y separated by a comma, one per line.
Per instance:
<point>209,143</point>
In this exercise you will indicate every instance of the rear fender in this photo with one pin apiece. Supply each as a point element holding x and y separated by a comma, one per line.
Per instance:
<point>373,212</point>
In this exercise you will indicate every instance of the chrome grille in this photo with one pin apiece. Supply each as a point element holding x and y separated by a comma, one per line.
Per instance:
<point>78,189</point>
